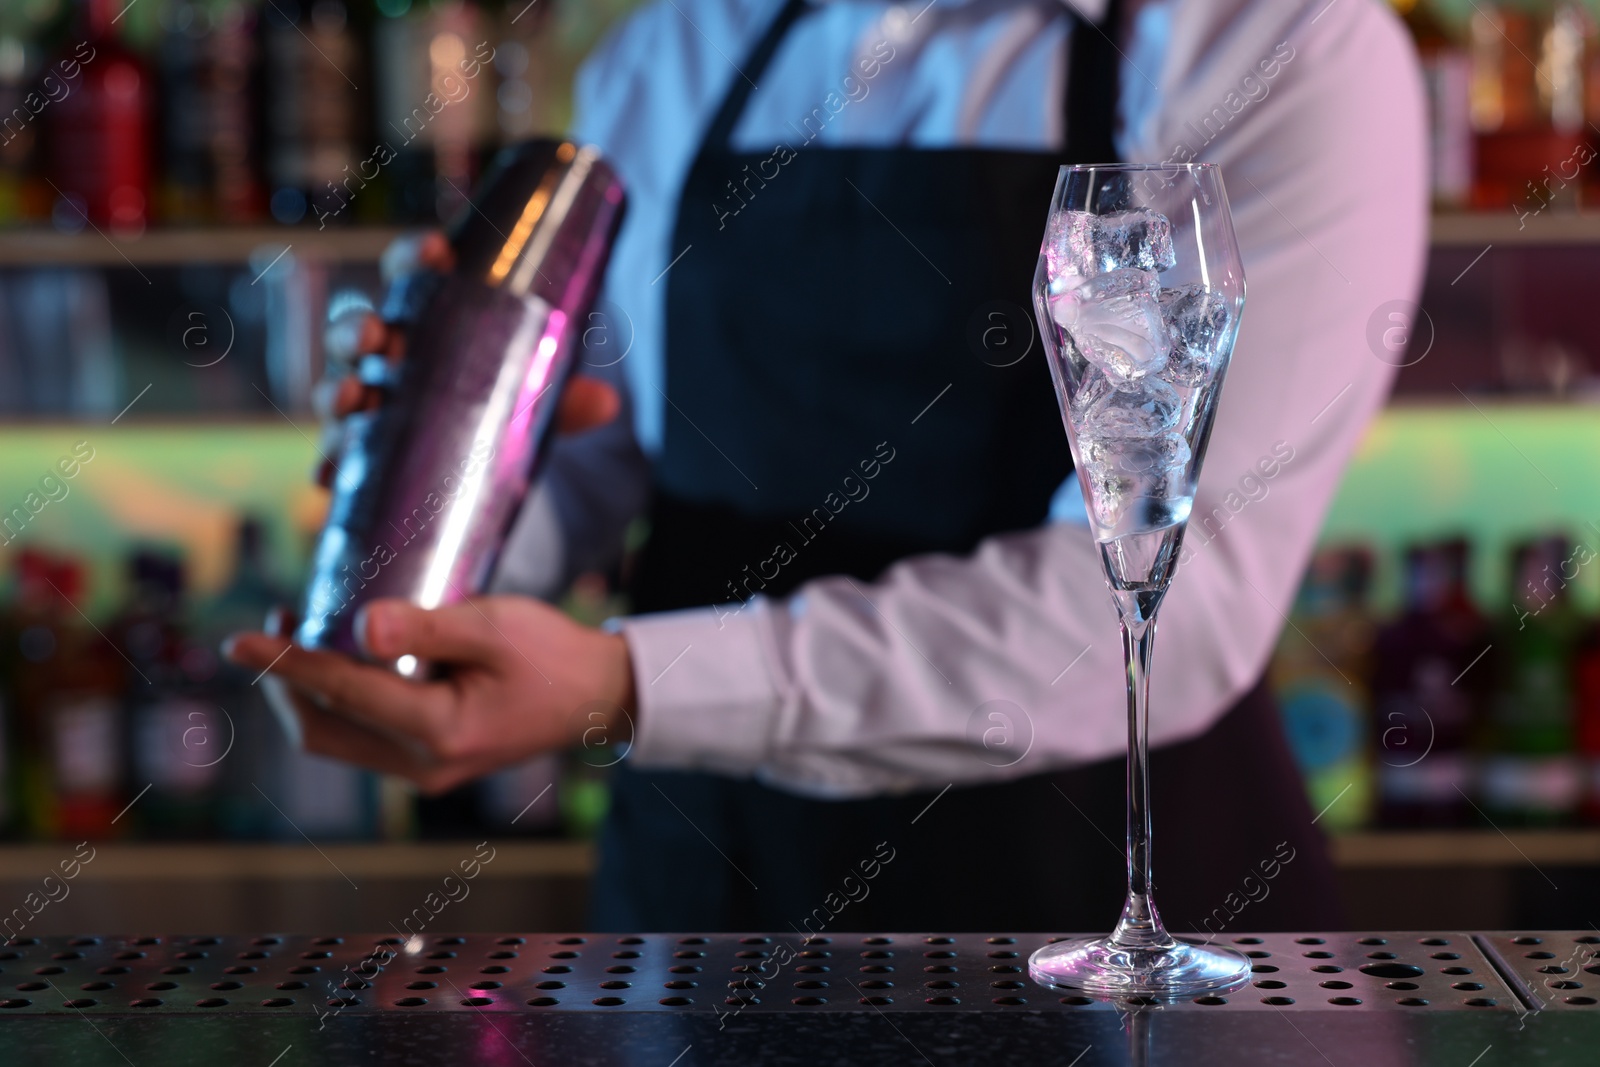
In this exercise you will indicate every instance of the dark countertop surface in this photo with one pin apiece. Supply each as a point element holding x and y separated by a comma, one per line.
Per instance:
<point>677,1000</point>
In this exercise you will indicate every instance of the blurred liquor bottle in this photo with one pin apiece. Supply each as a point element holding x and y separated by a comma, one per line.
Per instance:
<point>437,109</point>
<point>20,179</point>
<point>1586,720</point>
<point>1320,674</point>
<point>1528,104</point>
<point>69,691</point>
<point>1529,773</point>
<point>259,751</point>
<point>314,81</point>
<point>1447,78</point>
<point>210,120</point>
<point>1423,714</point>
<point>100,131</point>
<point>172,730</point>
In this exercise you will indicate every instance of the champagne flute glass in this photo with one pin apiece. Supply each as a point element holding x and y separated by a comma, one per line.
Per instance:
<point>1138,291</point>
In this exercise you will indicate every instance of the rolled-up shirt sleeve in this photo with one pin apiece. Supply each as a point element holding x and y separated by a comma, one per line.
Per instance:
<point>850,688</point>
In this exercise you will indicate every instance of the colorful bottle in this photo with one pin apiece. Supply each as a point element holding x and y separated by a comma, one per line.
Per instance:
<point>100,132</point>
<point>1530,775</point>
<point>1425,701</point>
<point>1320,675</point>
<point>77,700</point>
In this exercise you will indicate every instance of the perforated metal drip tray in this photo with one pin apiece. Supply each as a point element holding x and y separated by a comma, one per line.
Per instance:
<point>759,973</point>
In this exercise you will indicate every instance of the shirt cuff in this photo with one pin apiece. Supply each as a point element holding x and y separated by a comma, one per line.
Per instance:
<point>709,699</point>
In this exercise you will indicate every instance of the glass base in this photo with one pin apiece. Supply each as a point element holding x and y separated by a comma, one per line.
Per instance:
<point>1094,965</point>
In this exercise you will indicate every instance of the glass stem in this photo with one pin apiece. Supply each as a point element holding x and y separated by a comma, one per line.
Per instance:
<point>1140,925</point>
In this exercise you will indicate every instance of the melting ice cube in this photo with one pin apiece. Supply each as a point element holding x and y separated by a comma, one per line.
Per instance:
<point>1197,320</point>
<point>1079,242</point>
<point>1146,409</point>
<point>1115,320</point>
<point>1153,455</point>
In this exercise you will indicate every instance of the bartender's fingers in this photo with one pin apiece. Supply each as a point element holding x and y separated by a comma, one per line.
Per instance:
<point>415,252</point>
<point>586,404</point>
<point>371,695</point>
<point>456,633</point>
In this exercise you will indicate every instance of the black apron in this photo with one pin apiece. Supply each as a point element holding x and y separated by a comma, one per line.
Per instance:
<point>831,312</point>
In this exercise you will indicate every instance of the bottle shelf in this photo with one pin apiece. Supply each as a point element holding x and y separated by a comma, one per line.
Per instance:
<point>1479,228</point>
<point>123,862</point>
<point>163,248</point>
<point>354,244</point>
<point>1466,848</point>
<point>220,860</point>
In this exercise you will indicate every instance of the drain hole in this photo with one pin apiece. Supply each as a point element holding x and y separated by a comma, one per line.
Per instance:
<point>1247,941</point>
<point>291,985</point>
<point>145,1002</point>
<point>1327,968</point>
<point>1454,970</point>
<point>1413,1002</point>
<point>1078,1002</point>
<point>423,985</point>
<point>82,1002</point>
<point>1264,955</point>
<point>157,987</point>
<point>679,984</point>
<point>1002,940</point>
<point>1553,968</point>
<point>211,1002</point>
<point>543,1002</point>
<point>1541,955</point>
<point>1457,955</point>
<point>1271,983</point>
<point>676,1002</point>
<point>96,987</point>
<point>1527,940</point>
<point>1318,954</point>
<point>484,985</point>
<point>941,984</point>
<point>1263,968</point>
<point>1009,1002</point>
<point>608,1002</point>
<point>36,987</point>
<point>15,1002</point>
<point>811,983</point>
<point>1310,941</point>
<point>1402,985</point>
<point>1479,1002</point>
<point>877,983</point>
<point>879,968</point>
<point>1398,970</point>
<point>1434,941</point>
<point>1339,985</point>
<point>809,1002</point>
<point>880,1001</point>
<point>1009,984</point>
<point>944,1002</point>
<point>1580,1000</point>
<point>1278,1002</point>
<point>411,1002</point>
<point>1380,955</point>
<point>1210,1001</point>
<point>1344,1001</point>
<point>277,1002</point>
<point>1373,941</point>
<point>1564,984</point>
<point>476,1002</point>
<point>616,985</point>
<point>225,987</point>
<point>550,985</point>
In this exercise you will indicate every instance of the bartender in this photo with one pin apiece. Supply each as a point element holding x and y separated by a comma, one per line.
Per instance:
<point>872,631</point>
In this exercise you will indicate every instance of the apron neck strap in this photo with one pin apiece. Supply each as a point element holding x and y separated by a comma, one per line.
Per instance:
<point>1091,85</point>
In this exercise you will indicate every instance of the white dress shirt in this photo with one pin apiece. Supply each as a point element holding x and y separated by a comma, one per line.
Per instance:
<point>1314,110</point>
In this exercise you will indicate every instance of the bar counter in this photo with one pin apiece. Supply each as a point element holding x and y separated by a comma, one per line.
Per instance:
<point>676,1000</point>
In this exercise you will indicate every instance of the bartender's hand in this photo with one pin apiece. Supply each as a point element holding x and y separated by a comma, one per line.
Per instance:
<point>585,403</point>
<point>523,679</point>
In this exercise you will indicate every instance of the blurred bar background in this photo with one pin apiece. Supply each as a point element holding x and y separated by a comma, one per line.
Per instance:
<point>186,185</point>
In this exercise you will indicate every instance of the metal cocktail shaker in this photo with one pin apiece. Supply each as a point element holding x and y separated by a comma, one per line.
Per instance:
<point>429,482</point>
